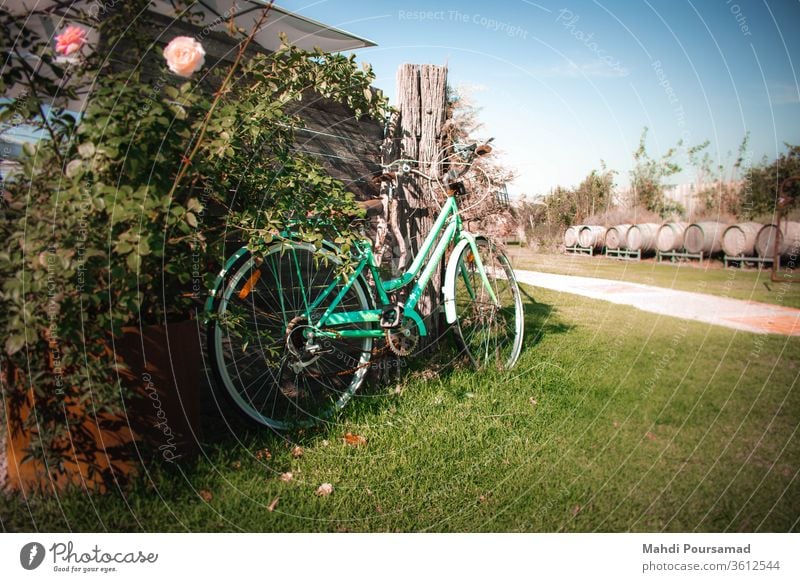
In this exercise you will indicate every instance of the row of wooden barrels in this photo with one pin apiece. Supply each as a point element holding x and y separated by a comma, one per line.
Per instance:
<point>735,240</point>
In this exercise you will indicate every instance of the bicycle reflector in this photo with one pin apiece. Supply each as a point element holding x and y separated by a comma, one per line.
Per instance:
<point>248,287</point>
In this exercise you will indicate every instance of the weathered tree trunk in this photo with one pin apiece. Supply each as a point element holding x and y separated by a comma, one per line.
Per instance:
<point>421,99</point>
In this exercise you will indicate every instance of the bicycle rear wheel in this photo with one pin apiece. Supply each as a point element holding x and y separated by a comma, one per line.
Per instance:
<point>269,359</point>
<point>490,333</point>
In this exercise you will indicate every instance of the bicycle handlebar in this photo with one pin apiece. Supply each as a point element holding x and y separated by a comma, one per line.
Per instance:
<point>404,166</point>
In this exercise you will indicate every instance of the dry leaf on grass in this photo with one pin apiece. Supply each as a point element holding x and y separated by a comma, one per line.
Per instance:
<point>576,510</point>
<point>205,495</point>
<point>286,477</point>
<point>650,436</point>
<point>324,490</point>
<point>297,451</point>
<point>533,401</point>
<point>355,440</point>
<point>263,454</point>
<point>236,465</point>
<point>271,507</point>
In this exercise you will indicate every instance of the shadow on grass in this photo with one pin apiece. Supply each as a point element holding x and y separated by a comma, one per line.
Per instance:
<point>376,395</point>
<point>540,320</point>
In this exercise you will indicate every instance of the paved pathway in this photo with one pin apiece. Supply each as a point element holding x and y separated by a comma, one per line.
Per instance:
<point>738,314</point>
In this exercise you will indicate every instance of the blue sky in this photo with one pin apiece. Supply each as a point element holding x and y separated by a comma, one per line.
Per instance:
<point>565,84</point>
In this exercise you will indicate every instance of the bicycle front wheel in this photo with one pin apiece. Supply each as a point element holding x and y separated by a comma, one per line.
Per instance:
<point>273,364</point>
<point>489,331</point>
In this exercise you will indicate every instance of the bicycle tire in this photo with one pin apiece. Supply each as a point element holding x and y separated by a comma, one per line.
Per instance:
<point>257,330</point>
<point>488,334</point>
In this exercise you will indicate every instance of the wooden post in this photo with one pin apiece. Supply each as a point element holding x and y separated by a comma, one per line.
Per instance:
<point>421,99</point>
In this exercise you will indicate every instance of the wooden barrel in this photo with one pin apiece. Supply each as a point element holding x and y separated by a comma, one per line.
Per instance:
<point>642,237</point>
<point>571,236</point>
<point>592,237</point>
<point>739,240</point>
<point>670,236</point>
<point>703,237</point>
<point>788,239</point>
<point>615,236</point>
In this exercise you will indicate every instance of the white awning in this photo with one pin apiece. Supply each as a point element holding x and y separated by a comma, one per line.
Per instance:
<point>303,32</point>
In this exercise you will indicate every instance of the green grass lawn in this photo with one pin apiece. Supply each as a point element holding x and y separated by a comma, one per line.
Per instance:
<point>615,420</point>
<point>734,283</point>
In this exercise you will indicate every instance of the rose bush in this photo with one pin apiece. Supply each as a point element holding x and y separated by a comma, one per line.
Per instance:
<point>105,224</point>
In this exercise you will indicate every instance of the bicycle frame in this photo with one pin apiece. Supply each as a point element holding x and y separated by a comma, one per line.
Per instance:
<point>448,224</point>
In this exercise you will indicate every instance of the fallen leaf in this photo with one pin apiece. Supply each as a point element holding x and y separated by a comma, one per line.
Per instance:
<point>271,507</point>
<point>576,510</point>
<point>616,424</point>
<point>355,440</point>
<point>533,401</point>
<point>286,477</point>
<point>428,374</point>
<point>297,451</point>
<point>483,498</point>
<point>379,509</point>
<point>263,454</point>
<point>369,491</point>
<point>650,436</point>
<point>236,465</point>
<point>324,490</point>
<point>205,495</point>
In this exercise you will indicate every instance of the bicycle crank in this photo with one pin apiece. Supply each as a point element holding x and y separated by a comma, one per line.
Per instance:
<point>402,340</point>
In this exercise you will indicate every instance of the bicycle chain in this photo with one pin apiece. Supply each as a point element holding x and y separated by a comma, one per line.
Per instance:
<point>373,352</point>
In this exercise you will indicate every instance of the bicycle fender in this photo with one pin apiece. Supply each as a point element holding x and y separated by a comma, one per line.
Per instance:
<point>216,288</point>
<point>449,289</point>
<point>220,281</point>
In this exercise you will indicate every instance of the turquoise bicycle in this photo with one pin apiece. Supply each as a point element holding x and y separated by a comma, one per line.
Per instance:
<point>290,338</point>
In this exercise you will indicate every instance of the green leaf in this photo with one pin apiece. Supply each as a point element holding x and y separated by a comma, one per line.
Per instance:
<point>194,205</point>
<point>86,150</point>
<point>134,261</point>
<point>74,169</point>
<point>14,343</point>
<point>123,247</point>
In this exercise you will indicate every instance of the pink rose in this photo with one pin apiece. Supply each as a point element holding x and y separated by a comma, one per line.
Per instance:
<point>184,55</point>
<point>71,40</point>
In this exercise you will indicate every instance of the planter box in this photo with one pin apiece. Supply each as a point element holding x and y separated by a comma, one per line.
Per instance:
<point>164,369</point>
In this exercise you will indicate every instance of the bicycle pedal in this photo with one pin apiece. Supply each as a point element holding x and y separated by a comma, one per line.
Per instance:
<point>392,317</point>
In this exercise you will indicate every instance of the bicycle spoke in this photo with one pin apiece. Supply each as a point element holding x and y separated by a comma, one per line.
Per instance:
<point>266,357</point>
<point>489,330</point>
